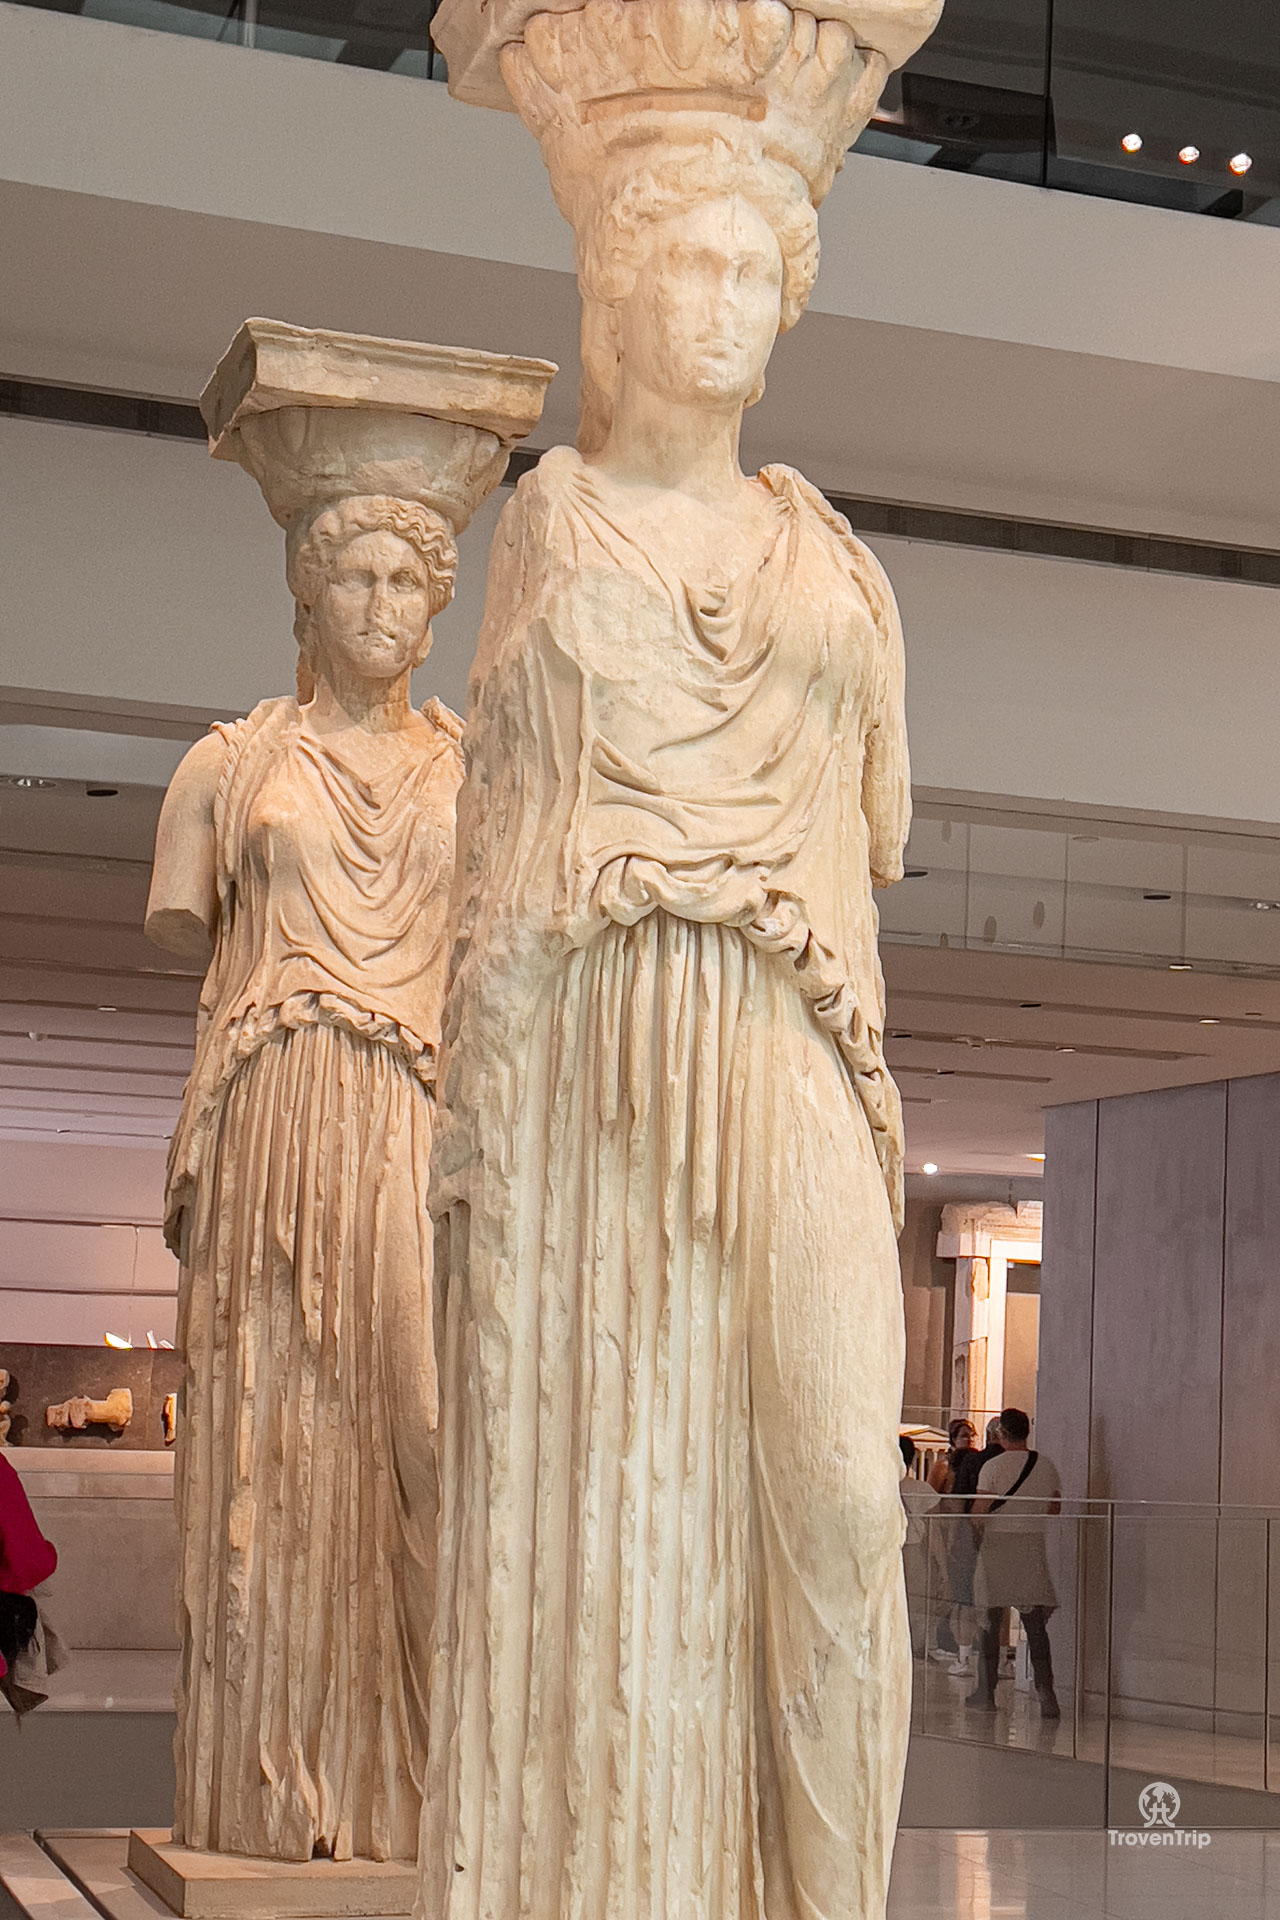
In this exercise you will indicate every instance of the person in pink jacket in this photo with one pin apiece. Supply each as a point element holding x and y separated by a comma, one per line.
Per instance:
<point>26,1558</point>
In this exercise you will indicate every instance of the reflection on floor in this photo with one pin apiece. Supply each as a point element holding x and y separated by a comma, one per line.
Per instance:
<point>1082,1876</point>
<point>1227,1760</point>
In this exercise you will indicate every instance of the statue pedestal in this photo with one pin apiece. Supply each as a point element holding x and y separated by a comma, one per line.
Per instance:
<point>227,1886</point>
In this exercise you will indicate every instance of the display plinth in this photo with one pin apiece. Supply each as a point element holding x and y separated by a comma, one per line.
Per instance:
<point>226,1886</point>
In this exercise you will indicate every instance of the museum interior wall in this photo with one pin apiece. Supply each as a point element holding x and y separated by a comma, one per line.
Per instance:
<point>81,1250</point>
<point>1160,1316</point>
<point>1160,1341</point>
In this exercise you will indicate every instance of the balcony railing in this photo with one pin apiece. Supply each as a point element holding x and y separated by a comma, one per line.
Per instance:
<point>1113,891</point>
<point>1174,105</point>
<point>1164,1641</point>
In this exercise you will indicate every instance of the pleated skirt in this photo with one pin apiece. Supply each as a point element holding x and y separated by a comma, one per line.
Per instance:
<point>671,1670</point>
<point>306,1493</point>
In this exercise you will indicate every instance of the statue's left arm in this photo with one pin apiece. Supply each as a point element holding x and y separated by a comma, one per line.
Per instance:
<point>886,771</point>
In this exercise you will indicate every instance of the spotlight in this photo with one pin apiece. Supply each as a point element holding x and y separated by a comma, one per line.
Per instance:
<point>930,1166</point>
<point>1179,966</point>
<point>1132,143</point>
<point>1241,163</point>
<point>1188,155</point>
<point>1035,1156</point>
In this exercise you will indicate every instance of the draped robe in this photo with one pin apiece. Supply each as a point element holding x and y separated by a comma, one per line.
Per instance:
<point>305,1481</point>
<point>670,1662</point>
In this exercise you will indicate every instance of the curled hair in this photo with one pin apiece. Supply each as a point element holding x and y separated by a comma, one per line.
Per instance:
<point>311,557</point>
<point>614,241</point>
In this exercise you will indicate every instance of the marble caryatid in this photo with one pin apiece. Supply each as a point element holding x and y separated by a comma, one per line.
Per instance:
<point>671,1666</point>
<point>311,847</point>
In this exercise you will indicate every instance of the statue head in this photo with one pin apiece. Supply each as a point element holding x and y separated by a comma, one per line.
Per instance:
<point>734,114</point>
<point>369,574</point>
<point>689,271</point>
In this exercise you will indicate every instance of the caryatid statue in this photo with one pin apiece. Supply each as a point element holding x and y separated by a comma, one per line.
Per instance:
<point>672,1670</point>
<point>311,847</point>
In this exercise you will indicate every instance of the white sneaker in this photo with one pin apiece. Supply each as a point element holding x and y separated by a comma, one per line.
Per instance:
<point>941,1655</point>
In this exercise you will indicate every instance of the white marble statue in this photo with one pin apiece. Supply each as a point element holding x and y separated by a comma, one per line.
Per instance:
<point>311,845</point>
<point>671,1668</point>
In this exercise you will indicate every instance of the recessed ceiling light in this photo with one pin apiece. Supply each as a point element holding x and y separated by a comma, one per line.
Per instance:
<point>1132,143</point>
<point>1210,1023</point>
<point>943,1072</point>
<point>1035,1156</point>
<point>108,1009</point>
<point>1064,1049</point>
<point>900,1033</point>
<point>930,1166</point>
<point>1240,163</point>
<point>29,782</point>
<point>102,793</point>
<point>1030,1006</point>
<point>1157,896</point>
<point>1264,906</point>
<point>1188,155</point>
<point>1179,966</point>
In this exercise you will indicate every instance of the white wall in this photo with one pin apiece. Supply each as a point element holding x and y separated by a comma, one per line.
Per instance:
<point>140,569</point>
<point>1099,685</point>
<point>81,1251</point>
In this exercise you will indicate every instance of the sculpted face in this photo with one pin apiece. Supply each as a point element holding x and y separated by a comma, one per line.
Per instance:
<point>700,322</point>
<point>373,616</point>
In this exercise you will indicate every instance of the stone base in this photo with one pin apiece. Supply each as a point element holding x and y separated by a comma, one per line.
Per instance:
<point>227,1886</point>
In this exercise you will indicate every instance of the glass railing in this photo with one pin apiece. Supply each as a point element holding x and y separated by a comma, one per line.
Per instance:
<point>1157,1633</point>
<point>389,39</point>
<point>1099,890</point>
<point>110,1516</point>
<point>1156,1626</point>
<point>1172,105</point>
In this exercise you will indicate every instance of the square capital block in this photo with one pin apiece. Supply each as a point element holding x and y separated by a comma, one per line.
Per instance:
<point>472,33</point>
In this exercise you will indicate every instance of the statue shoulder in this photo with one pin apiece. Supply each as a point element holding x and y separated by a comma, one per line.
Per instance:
<point>195,780</point>
<point>866,569</point>
<point>546,485</point>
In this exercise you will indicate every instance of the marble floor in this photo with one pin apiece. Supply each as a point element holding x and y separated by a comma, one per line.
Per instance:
<point>941,1875</point>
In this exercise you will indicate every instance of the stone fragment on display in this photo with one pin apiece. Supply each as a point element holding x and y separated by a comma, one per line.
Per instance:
<point>79,1412</point>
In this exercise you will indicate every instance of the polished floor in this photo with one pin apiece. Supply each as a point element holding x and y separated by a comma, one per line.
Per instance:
<point>939,1875</point>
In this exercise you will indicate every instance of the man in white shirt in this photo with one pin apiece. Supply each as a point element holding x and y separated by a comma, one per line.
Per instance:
<point>1017,1491</point>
